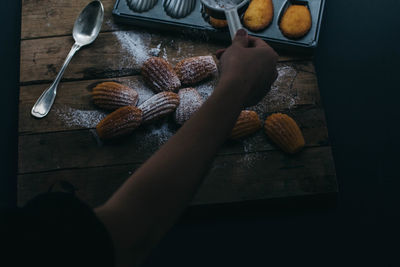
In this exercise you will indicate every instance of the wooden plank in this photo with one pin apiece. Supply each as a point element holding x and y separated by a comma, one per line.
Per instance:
<point>232,178</point>
<point>73,108</point>
<point>113,54</point>
<point>56,17</point>
<point>80,149</point>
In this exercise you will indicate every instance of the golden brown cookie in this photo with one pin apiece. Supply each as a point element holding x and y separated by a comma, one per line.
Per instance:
<point>247,123</point>
<point>296,21</point>
<point>258,15</point>
<point>284,132</point>
<point>195,69</point>
<point>159,105</point>
<point>112,95</point>
<point>218,23</point>
<point>160,75</point>
<point>121,122</point>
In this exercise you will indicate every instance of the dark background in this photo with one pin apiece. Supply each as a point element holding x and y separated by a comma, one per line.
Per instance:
<point>357,63</point>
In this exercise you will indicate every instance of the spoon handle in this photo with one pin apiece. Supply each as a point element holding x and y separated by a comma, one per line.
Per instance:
<point>46,100</point>
<point>233,19</point>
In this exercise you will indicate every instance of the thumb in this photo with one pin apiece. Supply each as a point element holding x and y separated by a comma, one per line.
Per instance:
<point>241,38</point>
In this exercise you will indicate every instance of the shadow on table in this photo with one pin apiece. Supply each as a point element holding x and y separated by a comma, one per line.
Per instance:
<point>262,208</point>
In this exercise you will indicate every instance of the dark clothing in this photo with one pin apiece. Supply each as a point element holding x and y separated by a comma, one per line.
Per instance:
<point>55,229</point>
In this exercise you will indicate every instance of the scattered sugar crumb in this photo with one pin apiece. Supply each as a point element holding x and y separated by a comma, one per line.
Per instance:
<point>143,91</point>
<point>279,97</point>
<point>137,44</point>
<point>248,160</point>
<point>80,118</point>
<point>206,89</point>
<point>157,135</point>
<point>155,52</point>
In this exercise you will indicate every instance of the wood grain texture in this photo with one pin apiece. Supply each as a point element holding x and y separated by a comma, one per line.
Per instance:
<point>80,149</point>
<point>56,17</point>
<point>232,178</point>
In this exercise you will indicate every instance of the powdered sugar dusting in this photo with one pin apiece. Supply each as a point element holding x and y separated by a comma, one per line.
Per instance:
<point>143,91</point>
<point>248,160</point>
<point>206,89</point>
<point>280,96</point>
<point>157,136</point>
<point>137,44</point>
<point>80,118</point>
<point>190,102</point>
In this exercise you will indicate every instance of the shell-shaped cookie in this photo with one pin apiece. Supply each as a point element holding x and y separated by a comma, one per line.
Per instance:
<point>296,21</point>
<point>258,15</point>
<point>112,95</point>
<point>285,132</point>
<point>141,5</point>
<point>160,75</point>
<point>158,106</point>
<point>247,123</point>
<point>179,8</point>
<point>195,69</point>
<point>190,102</point>
<point>121,122</point>
<point>218,23</point>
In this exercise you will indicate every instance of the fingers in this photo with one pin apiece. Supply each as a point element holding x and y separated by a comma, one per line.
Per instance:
<point>241,38</point>
<point>256,42</point>
<point>219,53</point>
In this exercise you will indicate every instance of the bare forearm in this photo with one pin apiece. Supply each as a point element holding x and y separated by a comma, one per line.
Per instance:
<point>151,200</point>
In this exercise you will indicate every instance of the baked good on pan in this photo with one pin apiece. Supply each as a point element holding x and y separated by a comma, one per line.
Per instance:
<point>296,21</point>
<point>160,75</point>
<point>195,69</point>
<point>284,132</point>
<point>121,122</point>
<point>258,15</point>
<point>159,105</point>
<point>218,23</point>
<point>247,123</point>
<point>112,95</point>
<point>189,102</point>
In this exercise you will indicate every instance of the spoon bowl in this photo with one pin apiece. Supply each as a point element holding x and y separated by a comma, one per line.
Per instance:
<point>86,29</point>
<point>87,26</point>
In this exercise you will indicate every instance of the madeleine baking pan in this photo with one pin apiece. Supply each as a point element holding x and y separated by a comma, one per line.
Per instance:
<point>190,16</point>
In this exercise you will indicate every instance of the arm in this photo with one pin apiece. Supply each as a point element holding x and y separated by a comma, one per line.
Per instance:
<point>144,208</point>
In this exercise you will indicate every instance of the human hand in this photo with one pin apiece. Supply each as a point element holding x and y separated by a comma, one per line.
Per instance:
<point>250,64</point>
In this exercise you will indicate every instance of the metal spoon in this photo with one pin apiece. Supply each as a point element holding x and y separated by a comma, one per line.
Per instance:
<point>230,8</point>
<point>86,28</point>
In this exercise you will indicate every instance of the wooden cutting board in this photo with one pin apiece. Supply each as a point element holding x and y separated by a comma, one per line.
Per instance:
<point>62,147</point>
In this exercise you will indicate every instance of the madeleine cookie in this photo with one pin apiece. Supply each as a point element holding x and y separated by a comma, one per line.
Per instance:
<point>190,102</point>
<point>218,23</point>
<point>159,105</point>
<point>121,122</point>
<point>284,132</point>
<point>160,75</point>
<point>112,95</point>
<point>247,123</point>
<point>296,21</point>
<point>258,15</point>
<point>195,69</point>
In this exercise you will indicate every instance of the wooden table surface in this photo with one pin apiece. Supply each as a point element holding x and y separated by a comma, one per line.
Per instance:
<point>62,146</point>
